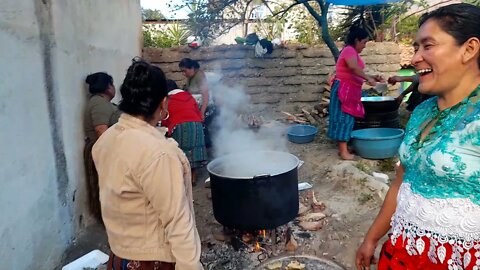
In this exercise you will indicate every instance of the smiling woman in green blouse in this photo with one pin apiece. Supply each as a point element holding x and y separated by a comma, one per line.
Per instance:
<point>433,207</point>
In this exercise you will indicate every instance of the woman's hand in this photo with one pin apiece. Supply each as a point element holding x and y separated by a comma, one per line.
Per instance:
<point>365,255</point>
<point>394,79</point>
<point>371,81</point>
<point>379,78</point>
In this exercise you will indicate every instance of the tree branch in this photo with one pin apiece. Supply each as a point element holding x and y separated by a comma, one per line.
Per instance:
<point>283,12</point>
<point>313,12</point>
<point>422,10</point>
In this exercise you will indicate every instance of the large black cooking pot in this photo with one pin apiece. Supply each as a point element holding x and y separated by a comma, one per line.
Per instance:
<point>254,191</point>
<point>379,112</point>
<point>379,104</point>
<point>377,120</point>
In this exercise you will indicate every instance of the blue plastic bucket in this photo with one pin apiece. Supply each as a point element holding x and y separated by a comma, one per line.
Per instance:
<point>377,143</point>
<point>301,133</point>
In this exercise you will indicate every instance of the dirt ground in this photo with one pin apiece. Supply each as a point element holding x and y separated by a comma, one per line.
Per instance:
<point>344,186</point>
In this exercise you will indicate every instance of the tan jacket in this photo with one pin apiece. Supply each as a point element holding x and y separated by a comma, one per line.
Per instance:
<point>146,195</point>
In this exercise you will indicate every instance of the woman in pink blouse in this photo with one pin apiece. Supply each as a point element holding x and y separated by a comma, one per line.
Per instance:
<point>345,97</point>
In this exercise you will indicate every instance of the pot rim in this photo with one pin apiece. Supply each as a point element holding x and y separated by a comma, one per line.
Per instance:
<point>219,160</point>
<point>377,99</point>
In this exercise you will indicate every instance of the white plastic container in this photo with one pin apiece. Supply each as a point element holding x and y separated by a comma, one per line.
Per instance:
<point>93,259</point>
<point>303,186</point>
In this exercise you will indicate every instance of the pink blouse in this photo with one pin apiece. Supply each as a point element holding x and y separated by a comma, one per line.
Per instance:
<point>343,72</point>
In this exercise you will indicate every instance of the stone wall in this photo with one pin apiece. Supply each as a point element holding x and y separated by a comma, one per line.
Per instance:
<point>288,78</point>
<point>48,48</point>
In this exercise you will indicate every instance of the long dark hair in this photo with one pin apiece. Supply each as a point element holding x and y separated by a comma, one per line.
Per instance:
<point>188,63</point>
<point>354,34</point>
<point>143,89</point>
<point>171,85</point>
<point>98,82</point>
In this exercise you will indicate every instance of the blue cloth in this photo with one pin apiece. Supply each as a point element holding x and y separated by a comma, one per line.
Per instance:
<point>446,163</point>
<point>340,124</point>
<point>360,2</point>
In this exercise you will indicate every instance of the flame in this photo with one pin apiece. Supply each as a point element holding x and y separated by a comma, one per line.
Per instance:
<point>257,246</point>
<point>262,233</point>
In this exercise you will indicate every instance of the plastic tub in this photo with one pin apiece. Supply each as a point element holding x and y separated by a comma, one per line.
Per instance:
<point>301,133</point>
<point>377,143</point>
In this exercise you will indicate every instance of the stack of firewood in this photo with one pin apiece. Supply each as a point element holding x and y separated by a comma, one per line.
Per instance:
<point>314,116</point>
<point>321,109</point>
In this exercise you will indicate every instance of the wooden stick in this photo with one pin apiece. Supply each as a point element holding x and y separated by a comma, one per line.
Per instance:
<point>289,114</point>
<point>318,117</point>
<point>309,117</point>
<point>300,121</point>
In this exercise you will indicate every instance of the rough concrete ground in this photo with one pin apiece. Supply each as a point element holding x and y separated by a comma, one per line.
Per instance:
<point>351,195</point>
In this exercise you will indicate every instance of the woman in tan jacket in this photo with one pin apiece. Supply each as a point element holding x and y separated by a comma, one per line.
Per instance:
<point>145,182</point>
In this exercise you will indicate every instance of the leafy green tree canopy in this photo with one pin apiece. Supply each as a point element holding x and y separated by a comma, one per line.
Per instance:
<point>152,15</point>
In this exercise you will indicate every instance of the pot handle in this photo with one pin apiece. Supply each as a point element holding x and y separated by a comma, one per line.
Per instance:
<point>261,176</point>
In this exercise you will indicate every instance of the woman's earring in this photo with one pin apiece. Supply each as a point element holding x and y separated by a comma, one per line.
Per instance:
<point>166,117</point>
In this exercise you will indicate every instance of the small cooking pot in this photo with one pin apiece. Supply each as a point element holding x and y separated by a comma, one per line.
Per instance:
<point>379,104</point>
<point>254,191</point>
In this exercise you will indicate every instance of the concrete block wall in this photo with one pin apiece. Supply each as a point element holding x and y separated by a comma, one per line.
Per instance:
<point>48,48</point>
<point>288,78</point>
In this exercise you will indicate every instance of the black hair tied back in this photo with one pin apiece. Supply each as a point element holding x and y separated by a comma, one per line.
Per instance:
<point>98,82</point>
<point>143,89</point>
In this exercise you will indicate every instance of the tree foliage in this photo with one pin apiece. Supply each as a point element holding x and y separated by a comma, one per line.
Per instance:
<point>271,26</point>
<point>380,21</point>
<point>211,18</point>
<point>473,2</point>
<point>208,19</point>
<point>305,26</point>
<point>152,14</point>
<point>172,36</point>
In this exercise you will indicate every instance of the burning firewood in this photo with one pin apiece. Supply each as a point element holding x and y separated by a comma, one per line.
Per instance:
<point>316,205</point>
<point>221,235</point>
<point>311,225</point>
<point>302,209</point>
<point>295,265</point>
<point>313,217</point>
<point>291,244</point>
<point>247,237</point>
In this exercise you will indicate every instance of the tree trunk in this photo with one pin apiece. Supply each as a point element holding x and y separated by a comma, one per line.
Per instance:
<point>329,41</point>
<point>323,24</point>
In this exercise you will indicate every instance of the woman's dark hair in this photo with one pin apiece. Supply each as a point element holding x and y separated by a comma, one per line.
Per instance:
<point>171,85</point>
<point>98,82</point>
<point>188,63</point>
<point>461,21</point>
<point>143,88</point>
<point>355,33</point>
